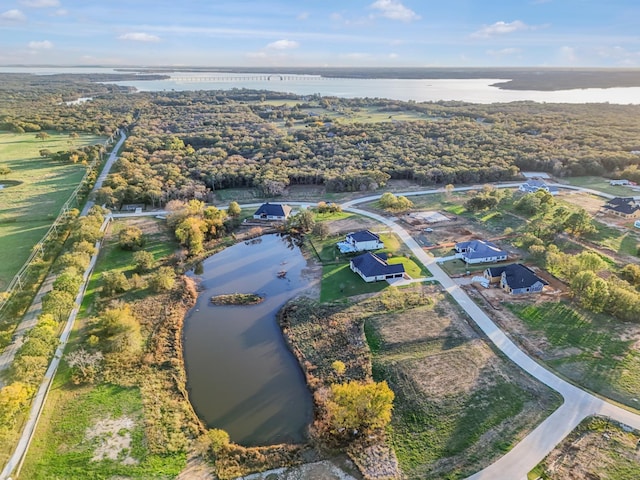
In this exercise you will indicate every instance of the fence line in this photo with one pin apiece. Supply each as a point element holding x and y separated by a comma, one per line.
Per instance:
<point>16,282</point>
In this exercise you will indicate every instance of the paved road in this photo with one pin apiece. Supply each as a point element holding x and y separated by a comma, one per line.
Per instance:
<point>113,156</point>
<point>577,405</point>
<point>15,461</point>
<point>26,324</point>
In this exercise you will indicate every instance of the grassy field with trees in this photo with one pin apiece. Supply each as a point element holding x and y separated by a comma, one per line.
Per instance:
<point>35,189</point>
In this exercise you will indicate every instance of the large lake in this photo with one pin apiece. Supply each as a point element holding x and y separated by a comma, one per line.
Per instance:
<point>465,90</point>
<point>241,376</point>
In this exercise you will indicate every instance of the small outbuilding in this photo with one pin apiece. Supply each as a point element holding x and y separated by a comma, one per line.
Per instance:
<point>272,211</point>
<point>374,267</point>
<point>360,241</point>
<point>515,279</point>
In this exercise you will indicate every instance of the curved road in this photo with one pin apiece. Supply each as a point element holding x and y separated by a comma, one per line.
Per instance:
<point>516,464</point>
<point>577,405</point>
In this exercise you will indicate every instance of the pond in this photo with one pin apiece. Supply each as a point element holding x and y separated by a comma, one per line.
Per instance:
<point>241,376</point>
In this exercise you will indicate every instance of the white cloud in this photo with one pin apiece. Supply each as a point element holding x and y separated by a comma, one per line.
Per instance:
<point>393,55</point>
<point>43,45</point>
<point>40,3</point>
<point>501,28</point>
<point>568,54</point>
<point>13,15</point>
<point>139,37</point>
<point>303,16</point>
<point>282,45</point>
<point>504,52</point>
<point>61,12</point>
<point>394,10</point>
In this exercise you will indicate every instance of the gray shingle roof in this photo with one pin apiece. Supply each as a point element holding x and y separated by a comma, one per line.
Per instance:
<point>364,236</point>
<point>273,209</point>
<point>372,265</point>
<point>517,275</point>
<point>626,205</point>
<point>481,249</point>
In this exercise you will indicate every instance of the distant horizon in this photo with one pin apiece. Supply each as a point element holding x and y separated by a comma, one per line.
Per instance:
<point>321,67</point>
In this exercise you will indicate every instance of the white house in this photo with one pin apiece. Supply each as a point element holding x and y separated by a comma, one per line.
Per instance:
<point>373,268</point>
<point>480,251</point>
<point>360,241</point>
<point>619,182</point>
<point>272,211</point>
<point>534,184</point>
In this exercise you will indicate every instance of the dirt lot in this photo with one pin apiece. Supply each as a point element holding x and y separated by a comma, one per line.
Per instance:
<point>458,404</point>
<point>591,203</point>
<point>352,224</point>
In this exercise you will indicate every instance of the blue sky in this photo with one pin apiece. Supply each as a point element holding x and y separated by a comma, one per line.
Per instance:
<point>322,32</point>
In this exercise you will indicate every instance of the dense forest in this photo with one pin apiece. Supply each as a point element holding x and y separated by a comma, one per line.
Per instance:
<point>185,145</point>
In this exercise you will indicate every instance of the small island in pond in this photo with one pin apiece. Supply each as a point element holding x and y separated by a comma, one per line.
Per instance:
<point>237,299</point>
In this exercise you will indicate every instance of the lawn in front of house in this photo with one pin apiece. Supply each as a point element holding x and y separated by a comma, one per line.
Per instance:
<point>339,282</point>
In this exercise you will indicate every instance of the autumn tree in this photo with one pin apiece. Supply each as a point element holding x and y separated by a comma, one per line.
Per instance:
<point>144,261</point>
<point>58,303</point>
<point>131,238</point>
<point>114,282</point>
<point>234,209</point>
<point>4,170</point>
<point>120,330</point>
<point>85,365</point>
<point>360,406</point>
<point>12,398</point>
<point>68,281</point>
<point>163,279</point>
<point>42,136</point>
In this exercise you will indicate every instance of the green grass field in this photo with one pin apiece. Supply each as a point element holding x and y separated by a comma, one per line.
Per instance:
<point>588,349</point>
<point>29,208</point>
<point>600,184</point>
<point>66,449</point>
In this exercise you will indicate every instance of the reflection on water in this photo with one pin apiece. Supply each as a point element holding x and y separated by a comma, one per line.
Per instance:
<point>241,376</point>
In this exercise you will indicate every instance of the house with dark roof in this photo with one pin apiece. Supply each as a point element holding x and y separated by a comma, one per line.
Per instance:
<point>373,268</point>
<point>360,241</point>
<point>534,184</point>
<point>272,211</point>
<point>626,207</point>
<point>515,278</point>
<point>480,251</point>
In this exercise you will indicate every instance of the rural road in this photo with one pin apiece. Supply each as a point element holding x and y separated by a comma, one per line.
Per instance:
<point>15,461</point>
<point>514,465</point>
<point>577,405</point>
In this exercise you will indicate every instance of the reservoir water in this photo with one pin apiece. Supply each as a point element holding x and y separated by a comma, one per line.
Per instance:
<point>421,90</point>
<point>241,376</point>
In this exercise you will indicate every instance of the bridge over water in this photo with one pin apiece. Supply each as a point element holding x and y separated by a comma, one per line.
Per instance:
<point>248,78</point>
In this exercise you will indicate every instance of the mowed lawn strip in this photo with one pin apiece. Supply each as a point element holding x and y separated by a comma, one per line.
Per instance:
<point>595,351</point>
<point>459,405</point>
<point>28,208</point>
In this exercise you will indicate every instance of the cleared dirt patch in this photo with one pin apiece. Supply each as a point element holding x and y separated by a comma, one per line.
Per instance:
<point>597,449</point>
<point>355,223</point>
<point>114,440</point>
<point>471,364</point>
